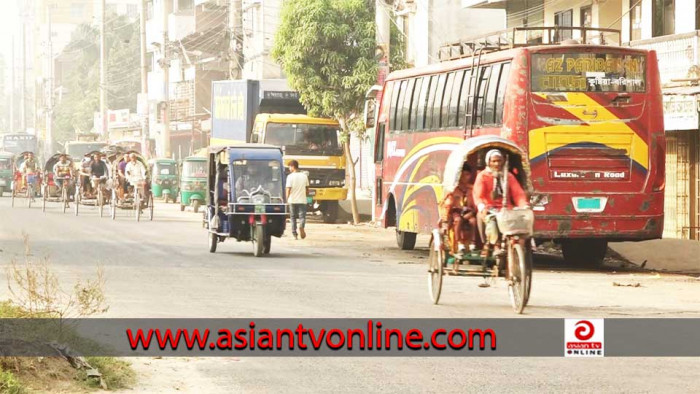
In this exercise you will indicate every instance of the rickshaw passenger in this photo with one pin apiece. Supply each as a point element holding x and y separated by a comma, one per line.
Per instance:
<point>457,212</point>
<point>62,171</point>
<point>85,166</point>
<point>488,197</point>
<point>121,172</point>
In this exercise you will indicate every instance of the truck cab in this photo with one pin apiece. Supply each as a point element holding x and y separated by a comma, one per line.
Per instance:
<point>315,143</point>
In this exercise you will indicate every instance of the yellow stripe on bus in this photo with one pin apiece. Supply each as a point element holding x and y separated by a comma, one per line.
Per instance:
<point>607,130</point>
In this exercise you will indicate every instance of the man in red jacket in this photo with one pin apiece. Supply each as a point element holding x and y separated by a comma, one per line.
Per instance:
<point>488,197</point>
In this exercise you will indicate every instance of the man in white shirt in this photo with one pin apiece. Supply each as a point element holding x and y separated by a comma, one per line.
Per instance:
<point>135,172</point>
<point>297,190</point>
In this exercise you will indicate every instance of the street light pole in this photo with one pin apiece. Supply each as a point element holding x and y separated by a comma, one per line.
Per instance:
<point>103,65</point>
<point>166,83</point>
<point>49,98</point>
<point>144,79</point>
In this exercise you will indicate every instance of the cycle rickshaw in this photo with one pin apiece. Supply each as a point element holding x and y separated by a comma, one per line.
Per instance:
<point>515,227</point>
<point>25,186</point>
<point>49,188</point>
<point>246,195</point>
<point>136,197</point>
<point>99,187</point>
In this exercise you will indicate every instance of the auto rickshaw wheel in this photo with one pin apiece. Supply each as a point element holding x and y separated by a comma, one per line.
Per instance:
<point>2,190</point>
<point>182,208</point>
<point>213,240</point>
<point>195,206</point>
<point>267,244</point>
<point>436,262</point>
<point>258,240</point>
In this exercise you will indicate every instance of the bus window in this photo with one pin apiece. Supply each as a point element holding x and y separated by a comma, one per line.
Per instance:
<point>445,107</point>
<point>500,98</point>
<point>414,104</point>
<point>379,145</point>
<point>399,106</point>
<point>437,104</point>
<point>406,108</point>
<point>392,107</point>
<point>484,74</point>
<point>431,102</point>
<point>455,99</point>
<point>490,99</point>
<point>423,102</point>
<point>463,98</point>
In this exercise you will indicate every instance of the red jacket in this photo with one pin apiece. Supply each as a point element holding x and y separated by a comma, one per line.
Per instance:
<point>483,186</point>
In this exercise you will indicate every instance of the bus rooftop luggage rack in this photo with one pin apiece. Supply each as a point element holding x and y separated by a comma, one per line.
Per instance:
<point>527,36</point>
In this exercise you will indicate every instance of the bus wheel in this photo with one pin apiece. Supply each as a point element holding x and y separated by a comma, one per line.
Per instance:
<point>405,240</point>
<point>330,211</point>
<point>587,253</point>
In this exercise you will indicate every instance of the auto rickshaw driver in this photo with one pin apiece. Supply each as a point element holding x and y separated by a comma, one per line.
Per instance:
<point>488,197</point>
<point>457,212</point>
<point>250,179</point>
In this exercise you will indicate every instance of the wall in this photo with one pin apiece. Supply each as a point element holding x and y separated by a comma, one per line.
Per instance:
<point>260,23</point>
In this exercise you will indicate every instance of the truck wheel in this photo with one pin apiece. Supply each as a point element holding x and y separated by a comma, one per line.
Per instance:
<point>588,253</point>
<point>330,211</point>
<point>405,240</point>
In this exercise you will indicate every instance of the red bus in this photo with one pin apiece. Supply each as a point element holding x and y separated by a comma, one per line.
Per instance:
<point>589,117</point>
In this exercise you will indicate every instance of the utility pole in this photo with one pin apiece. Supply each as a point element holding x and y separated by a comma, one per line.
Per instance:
<point>23,90</point>
<point>50,82</point>
<point>166,83</point>
<point>144,78</point>
<point>13,98</point>
<point>103,71</point>
<point>236,21</point>
<point>383,33</point>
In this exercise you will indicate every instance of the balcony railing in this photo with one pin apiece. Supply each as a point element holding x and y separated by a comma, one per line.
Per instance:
<point>678,57</point>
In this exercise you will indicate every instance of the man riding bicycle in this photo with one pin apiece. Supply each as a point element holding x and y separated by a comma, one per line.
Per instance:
<point>488,197</point>
<point>134,171</point>
<point>29,170</point>
<point>62,171</point>
<point>99,171</point>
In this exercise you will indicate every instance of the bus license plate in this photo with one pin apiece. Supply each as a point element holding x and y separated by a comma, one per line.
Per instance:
<point>588,203</point>
<point>259,209</point>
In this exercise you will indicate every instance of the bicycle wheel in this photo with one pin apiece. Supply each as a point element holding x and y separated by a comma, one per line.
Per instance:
<point>100,200</point>
<point>113,205</point>
<point>137,205</point>
<point>13,194</point>
<point>64,198</point>
<point>76,200</point>
<point>436,262</point>
<point>150,207</point>
<point>519,273</point>
<point>44,195</point>
<point>29,196</point>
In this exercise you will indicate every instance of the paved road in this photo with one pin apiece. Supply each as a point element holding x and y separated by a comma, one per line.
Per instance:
<point>163,269</point>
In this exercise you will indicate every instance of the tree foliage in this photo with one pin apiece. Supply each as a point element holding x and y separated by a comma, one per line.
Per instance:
<point>80,99</point>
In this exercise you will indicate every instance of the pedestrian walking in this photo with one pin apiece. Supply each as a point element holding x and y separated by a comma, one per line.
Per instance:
<point>297,190</point>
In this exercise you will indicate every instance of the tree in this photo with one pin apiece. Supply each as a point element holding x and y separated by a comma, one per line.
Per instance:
<point>82,83</point>
<point>327,48</point>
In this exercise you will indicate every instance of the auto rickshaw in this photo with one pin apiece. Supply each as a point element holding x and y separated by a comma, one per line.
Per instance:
<point>6,171</point>
<point>245,196</point>
<point>164,180</point>
<point>193,182</point>
<point>514,226</point>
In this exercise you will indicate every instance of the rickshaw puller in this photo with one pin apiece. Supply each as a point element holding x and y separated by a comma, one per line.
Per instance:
<point>458,213</point>
<point>29,170</point>
<point>488,197</point>
<point>62,171</point>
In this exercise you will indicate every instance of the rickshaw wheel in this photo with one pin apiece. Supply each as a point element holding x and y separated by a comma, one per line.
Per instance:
<point>113,204</point>
<point>13,195</point>
<point>258,241</point>
<point>213,240</point>
<point>150,207</point>
<point>29,196</point>
<point>137,205</point>
<point>64,198</point>
<point>44,196</point>
<point>519,276</point>
<point>77,200</point>
<point>100,199</point>
<point>436,263</point>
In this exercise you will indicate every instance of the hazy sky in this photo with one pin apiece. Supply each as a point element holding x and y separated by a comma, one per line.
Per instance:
<point>8,27</point>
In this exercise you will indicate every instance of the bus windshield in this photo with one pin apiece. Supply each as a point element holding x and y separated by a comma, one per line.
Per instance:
<point>195,169</point>
<point>588,72</point>
<point>77,150</point>
<point>304,139</point>
<point>18,143</point>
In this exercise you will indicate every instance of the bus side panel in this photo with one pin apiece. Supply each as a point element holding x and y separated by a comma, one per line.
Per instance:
<point>515,109</point>
<point>413,169</point>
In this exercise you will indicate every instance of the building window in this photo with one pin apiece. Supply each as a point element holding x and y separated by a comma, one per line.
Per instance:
<point>663,18</point>
<point>564,19</point>
<point>586,16</point>
<point>635,20</point>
